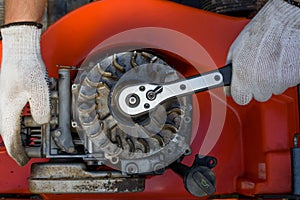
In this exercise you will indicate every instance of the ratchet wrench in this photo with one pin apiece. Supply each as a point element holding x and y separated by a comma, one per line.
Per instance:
<point>140,98</point>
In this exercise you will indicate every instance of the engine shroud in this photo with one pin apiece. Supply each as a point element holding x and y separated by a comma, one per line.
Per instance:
<point>132,144</point>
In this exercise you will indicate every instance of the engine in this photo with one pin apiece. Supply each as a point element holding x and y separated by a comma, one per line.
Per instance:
<point>92,145</point>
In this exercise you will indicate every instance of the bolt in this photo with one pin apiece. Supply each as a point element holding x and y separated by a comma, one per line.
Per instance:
<point>132,168</point>
<point>57,133</point>
<point>132,100</point>
<point>74,86</point>
<point>187,119</point>
<point>114,160</point>
<point>74,124</point>
<point>71,149</point>
<point>158,167</point>
<point>188,152</point>
<point>146,105</point>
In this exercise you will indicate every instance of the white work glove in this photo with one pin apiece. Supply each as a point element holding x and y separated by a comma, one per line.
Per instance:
<point>23,79</point>
<point>266,55</point>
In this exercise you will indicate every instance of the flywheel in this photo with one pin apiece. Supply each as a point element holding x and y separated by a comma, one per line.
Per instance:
<point>132,144</point>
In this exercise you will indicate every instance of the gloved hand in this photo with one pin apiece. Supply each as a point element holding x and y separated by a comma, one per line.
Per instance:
<point>266,55</point>
<point>23,79</point>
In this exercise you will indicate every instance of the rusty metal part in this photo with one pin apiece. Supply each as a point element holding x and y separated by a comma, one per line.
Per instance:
<point>74,178</point>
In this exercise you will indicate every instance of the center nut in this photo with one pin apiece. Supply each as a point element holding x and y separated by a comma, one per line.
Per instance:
<point>132,144</point>
<point>132,100</point>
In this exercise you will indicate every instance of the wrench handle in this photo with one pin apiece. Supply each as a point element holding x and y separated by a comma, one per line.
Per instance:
<point>226,72</point>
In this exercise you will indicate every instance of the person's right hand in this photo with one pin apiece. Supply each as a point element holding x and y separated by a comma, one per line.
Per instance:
<point>266,55</point>
<point>23,79</point>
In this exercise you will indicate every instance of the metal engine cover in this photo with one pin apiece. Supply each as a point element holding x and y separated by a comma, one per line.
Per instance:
<point>132,144</point>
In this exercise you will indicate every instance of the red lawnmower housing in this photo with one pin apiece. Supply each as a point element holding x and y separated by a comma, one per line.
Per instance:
<point>253,142</point>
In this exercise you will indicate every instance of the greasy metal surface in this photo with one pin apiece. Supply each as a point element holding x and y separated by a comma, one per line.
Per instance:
<point>73,178</point>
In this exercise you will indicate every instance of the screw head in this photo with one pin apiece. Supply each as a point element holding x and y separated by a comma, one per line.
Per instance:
<point>71,149</point>
<point>57,133</point>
